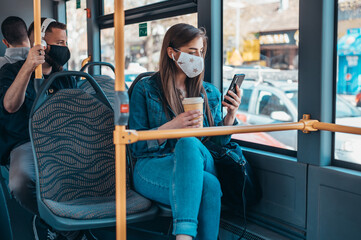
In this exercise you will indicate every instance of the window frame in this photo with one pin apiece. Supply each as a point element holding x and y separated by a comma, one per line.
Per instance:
<point>154,11</point>
<point>338,162</point>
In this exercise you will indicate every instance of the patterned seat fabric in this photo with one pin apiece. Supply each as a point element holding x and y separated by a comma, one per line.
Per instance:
<point>97,207</point>
<point>136,203</point>
<point>73,141</point>
<point>107,85</point>
<point>84,208</point>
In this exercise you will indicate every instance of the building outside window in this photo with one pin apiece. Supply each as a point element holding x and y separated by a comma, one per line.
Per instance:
<point>77,33</point>
<point>348,72</point>
<point>260,40</point>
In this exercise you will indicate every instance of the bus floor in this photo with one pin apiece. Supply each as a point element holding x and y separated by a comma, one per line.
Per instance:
<point>231,228</point>
<point>155,229</point>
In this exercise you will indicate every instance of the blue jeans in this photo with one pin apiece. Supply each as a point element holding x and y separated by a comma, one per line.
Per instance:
<point>22,177</point>
<point>185,180</point>
<point>22,181</point>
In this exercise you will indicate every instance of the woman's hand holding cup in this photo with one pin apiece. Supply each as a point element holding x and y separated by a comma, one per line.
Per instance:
<point>192,117</point>
<point>189,119</point>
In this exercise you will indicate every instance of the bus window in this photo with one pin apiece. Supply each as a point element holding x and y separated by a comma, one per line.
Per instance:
<point>128,4</point>
<point>260,40</point>
<point>348,103</point>
<point>141,53</point>
<point>77,33</point>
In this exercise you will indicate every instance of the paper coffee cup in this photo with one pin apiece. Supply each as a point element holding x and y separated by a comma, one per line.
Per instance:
<point>193,103</point>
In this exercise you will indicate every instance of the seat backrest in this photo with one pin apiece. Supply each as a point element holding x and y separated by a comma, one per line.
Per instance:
<point>92,64</point>
<point>72,137</point>
<point>105,82</point>
<point>136,80</point>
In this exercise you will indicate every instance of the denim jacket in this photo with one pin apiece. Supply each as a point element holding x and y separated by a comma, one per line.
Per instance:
<point>147,113</point>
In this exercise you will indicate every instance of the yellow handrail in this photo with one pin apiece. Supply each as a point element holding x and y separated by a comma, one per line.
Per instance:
<point>215,131</point>
<point>305,125</point>
<point>131,136</point>
<point>120,154</point>
<point>37,33</point>
<point>85,61</point>
<point>336,128</point>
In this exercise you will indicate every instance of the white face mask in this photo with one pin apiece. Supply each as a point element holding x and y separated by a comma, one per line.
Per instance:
<point>191,65</point>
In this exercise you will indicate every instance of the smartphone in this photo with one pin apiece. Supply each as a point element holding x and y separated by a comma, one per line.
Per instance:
<point>237,80</point>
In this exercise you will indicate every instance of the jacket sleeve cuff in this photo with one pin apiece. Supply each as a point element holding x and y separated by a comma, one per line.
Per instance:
<point>153,145</point>
<point>221,123</point>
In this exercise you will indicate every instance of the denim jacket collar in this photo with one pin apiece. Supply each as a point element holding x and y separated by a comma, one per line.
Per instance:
<point>156,83</point>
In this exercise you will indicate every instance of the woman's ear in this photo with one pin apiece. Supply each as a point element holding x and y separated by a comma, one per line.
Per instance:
<point>170,51</point>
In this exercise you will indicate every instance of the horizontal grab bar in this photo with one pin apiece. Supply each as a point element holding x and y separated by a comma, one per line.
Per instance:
<point>336,128</point>
<point>131,136</point>
<point>305,125</point>
<point>215,131</point>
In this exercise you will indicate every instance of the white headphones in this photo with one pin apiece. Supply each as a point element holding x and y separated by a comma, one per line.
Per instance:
<point>45,26</point>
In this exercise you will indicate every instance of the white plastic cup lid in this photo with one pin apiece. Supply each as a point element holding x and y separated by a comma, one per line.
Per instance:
<point>192,100</point>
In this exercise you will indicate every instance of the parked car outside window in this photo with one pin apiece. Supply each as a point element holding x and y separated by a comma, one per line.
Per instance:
<point>276,102</point>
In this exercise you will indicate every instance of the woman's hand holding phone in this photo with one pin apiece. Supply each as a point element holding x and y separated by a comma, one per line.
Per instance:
<point>232,107</point>
<point>232,99</point>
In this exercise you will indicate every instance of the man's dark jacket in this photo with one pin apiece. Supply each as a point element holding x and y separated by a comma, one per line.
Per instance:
<point>14,127</point>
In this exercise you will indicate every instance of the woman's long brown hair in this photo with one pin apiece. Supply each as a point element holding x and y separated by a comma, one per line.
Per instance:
<point>176,37</point>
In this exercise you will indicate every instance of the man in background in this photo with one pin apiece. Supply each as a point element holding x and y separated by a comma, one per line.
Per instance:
<point>16,40</point>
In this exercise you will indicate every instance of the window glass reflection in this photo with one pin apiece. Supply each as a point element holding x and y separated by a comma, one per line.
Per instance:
<point>348,101</point>
<point>77,33</point>
<point>260,40</point>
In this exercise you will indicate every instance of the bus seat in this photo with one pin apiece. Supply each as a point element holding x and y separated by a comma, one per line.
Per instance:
<point>105,82</point>
<point>165,210</point>
<point>72,137</point>
<point>137,79</point>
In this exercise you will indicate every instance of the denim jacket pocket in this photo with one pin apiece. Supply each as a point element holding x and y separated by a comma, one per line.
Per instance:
<point>154,97</point>
<point>213,104</point>
<point>155,110</point>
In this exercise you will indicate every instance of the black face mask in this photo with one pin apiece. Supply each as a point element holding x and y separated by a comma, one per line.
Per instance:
<point>59,54</point>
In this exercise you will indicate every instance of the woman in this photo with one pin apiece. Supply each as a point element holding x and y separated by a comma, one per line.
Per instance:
<point>180,173</point>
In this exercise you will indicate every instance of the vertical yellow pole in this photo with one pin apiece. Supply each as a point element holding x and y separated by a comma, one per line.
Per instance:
<point>120,157</point>
<point>37,33</point>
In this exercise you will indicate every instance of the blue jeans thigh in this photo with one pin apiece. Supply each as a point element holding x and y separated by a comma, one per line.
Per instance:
<point>152,178</point>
